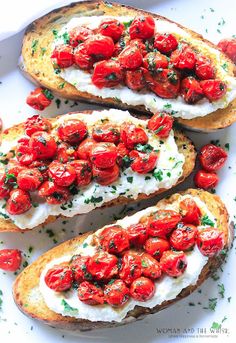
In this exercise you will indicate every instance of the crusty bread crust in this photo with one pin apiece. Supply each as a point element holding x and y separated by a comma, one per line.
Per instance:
<point>38,67</point>
<point>185,146</point>
<point>26,287</point>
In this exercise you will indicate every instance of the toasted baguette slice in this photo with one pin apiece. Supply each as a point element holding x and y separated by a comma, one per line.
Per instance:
<point>30,301</point>
<point>37,66</point>
<point>185,146</point>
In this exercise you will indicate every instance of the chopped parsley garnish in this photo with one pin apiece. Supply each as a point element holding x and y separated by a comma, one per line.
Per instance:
<point>85,245</point>
<point>167,106</point>
<point>58,103</point>
<point>158,174</point>
<point>68,308</point>
<point>93,200</point>
<point>212,304</point>
<point>61,85</point>
<point>205,220</point>
<point>66,37</point>
<point>224,66</point>
<point>215,325</point>
<point>5,216</point>
<point>43,50</point>
<point>227,146</point>
<point>144,148</point>
<point>55,33</point>
<point>48,94</point>
<point>221,290</point>
<point>126,161</point>
<point>1,301</point>
<point>130,179</point>
<point>34,46</point>
<point>127,24</point>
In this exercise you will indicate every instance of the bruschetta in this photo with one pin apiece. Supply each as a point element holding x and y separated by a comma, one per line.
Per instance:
<point>123,57</point>
<point>137,266</point>
<point>77,162</point>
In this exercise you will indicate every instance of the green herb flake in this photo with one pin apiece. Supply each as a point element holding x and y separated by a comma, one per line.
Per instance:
<point>215,326</point>
<point>130,179</point>
<point>227,146</point>
<point>158,175</point>
<point>212,304</point>
<point>127,24</point>
<point>61,85</point>
<point>225,66</point>
<point>34,46</point>
<point>205,220</point>
<point>1,301</point>
<point>48,94</point>
<point>147,148</point>
<point>85,245</point>
<point>221,289</point>
<point>58,103</point>
<point>42,51</point>
<point>68,308</point>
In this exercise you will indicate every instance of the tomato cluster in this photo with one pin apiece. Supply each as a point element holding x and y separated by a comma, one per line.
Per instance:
<point>141,59</point>
<point>127,262</point>
<point>212,158</point>
<point>39,98</point>
<point>55,163</point>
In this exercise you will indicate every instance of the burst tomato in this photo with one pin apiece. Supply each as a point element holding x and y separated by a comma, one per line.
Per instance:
<point>54,194</point>
<point>189,211</point>
<point>191,90</point>
<point>83,171</point>
<point>143,163</point>
<point>134,79</point>
<point>116,293</point>
<point>65,153</point>
<point>59,278</point>
<point>29,179</point>
<point>72,131</point>
<point>165,43</point>
<point>204,69</point>
<point>137,234</point>
<point>4,186</point>
<point>173,263</point>
<point>90,294</point>
<point>24,154</point>
<point>183,58</point>
<point>39,99</point>
<point>161,123</point>
<point>142,289</point>
<point>62,174</point>
<point>132,135</point>
<point>150,267</point>
<point>106,133</point>
<point>131,267</point>
<point>228,46</point>
<point>36,123</point>
<point>78,266</point>
<point>84,149</point>
<point>100,47</point>
<point>78,35</point>
<point>142,26</point>
<point>103,266</point>
<point>62,56</point>
<point>103,155</point>
<point>184,237</point>
<point>112,28</point>
<point>130,58</point>
<point>114,239</point>
<point>210,241</point>
<point>206,180</point>
<point>82,59</point>
<point>162,222</point>
<point>18,202</point>
<point>155,60</point>
<point>156,246</point>
<point>212,157</point>
<point>42,167</point>
<point>139,44</point>
<point>107,74</point>
<point>10,259</point>
<point>106,176</point>
<point>213,89</point>
<point>43,145</point>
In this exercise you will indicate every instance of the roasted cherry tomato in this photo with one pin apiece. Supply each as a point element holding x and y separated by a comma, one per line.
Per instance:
<point>162,222</point>
<point>36,123</point>
<point>161,123</point>
<point>65,153</point>
<point>137,234</point>
<point>131,267</point>
<point>14,168</point>
<point>62,56</point>
<point>173,263</point>
<point>165,82</point>
<point>106,133</point>
<point>42,167</point>
<point>150,267</point>
<point>142,26</point>
<point>142,289</point>
<point>130,58</point>
<point>78,35</point>
<point>84,149</point>
<point>18,202</point>
<point>112,28</point>
<point>134,79</point>
<point>43,145</point>
<point>122,151</point>
<point>106,176</point>
<point>184,237</point>
<point>204,68</point>
<point>155,60</point>
<point>39,99</point>
<point>62,174</point>
<point>4,186</point>
<point>114,239</point>
<point>10,259</point>
<point>107,74</point>
<point>155,246</point>
<point>165,42</point>
<point>83,170</point>
<point>143,163</point>
<point>78,265</point>
<point>59,278</point>
<point>183,58</point>
<point>191,90</point>
<point>103,155</point>
<point>213,89</point>
<point>139,44</point>
<point>132,135</point>
<point>210,241</point>
<point>82,59</point>
<point>212,157</point>
<point>72,131</point>
<point>54,194</point>
<point>228,46</point>
<point>189,211</point>
<point>206,180</point>
<point>103,266</point>
<point>100,47</point>
<point>24,154</point>
<point>90,294</point>
<point>116,293</point>
<point>29,179</point>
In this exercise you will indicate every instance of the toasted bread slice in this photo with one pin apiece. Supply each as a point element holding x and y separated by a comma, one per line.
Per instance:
<point>30,301</point>
<point>37,66</point>
<point>185,146</point>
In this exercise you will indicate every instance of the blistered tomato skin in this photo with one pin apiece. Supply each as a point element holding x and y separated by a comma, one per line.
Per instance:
<point>132,135</point>
<point>62,174</point>
<point>191,90</point>
<point>173,263</point>
<point>210,241</point>
<point>228,46</point>
<point>19,202</point>
<point>161,123</point>
<point>72,131</point>
<point>65,153</point>
<point>78,266</point>
<point>114,239</point>
<point>82,59</point>
<point>59,278</point>
<point>106,133</point>
<point>43,145</point>
<point>29,179</point>
<point>36,123</point>
<point>206,180</point>
<point>99,46</point>
<point>10,259</point>
<point>84,149</point>
<point>90,294</point>
<point>183,237</point>
<point>106,176</point>
<point>103,266</point>
<point>190,212</point>
<point>134,79</point>
<point>83,171</point>
<point>107,74</point>
<point>130,58</point>
<point>165,43</point>
<point>204,68</point>
<point>24,154</point>
<point>138,42</point>
<point>116,293</point>
<point>143,163</point>
<point>38,99</point>
<point>155,60</point>
<point>184,58</point>
<point>62,56</point>
<point>122,151</point>
<point>150,266</point>
<point>142,27</point>
<point>4,187</point>
<point>155,246</point>
<point>213,89</point>
<point>53,193</point>
<point>78,35</point>
<point>131,267</point>
<point>137,234</point>
<point>142,289</point>
<point>212,157</point>
<point>103,155</point>
<point>112,28</point>
<point>163,222</point>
